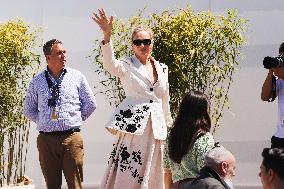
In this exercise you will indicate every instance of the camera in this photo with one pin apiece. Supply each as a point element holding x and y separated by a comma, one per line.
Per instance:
<point>273,62</point>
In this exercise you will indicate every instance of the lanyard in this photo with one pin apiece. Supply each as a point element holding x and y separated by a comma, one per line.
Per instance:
<point>54,88</point>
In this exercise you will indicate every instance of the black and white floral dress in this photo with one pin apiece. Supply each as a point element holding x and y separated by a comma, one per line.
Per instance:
<point>140,124</point>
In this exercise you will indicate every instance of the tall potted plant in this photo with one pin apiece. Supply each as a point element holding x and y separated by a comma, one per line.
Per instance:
<point>18,63</point>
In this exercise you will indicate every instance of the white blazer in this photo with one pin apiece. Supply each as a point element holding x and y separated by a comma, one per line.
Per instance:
<point>143,99</point>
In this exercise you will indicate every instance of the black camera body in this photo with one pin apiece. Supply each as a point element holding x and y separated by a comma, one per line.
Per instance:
<point>273,62</point>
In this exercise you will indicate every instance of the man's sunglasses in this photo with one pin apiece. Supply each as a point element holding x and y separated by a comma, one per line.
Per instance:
<point>138,42</point>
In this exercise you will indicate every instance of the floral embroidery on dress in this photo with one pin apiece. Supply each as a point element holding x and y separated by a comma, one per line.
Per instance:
<point>124,160</point>
<point>130,120</point>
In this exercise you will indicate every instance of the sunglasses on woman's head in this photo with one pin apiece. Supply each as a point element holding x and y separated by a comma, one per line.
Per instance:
<point>138,42</point>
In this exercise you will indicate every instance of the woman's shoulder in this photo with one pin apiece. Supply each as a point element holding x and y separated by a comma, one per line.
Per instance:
<point>206,138</point>
<point>162,65</point>
<point>203,144</point>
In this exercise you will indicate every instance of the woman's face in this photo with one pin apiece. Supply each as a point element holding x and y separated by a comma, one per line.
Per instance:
<point>142,44</point>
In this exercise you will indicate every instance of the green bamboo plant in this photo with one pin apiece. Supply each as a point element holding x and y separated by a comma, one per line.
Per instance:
<point>18,63</point>
<point>202,52</point>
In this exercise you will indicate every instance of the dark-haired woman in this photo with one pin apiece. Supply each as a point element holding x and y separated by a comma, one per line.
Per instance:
<point>188,142</point>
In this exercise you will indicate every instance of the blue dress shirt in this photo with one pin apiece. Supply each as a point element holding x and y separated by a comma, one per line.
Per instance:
<point>75,104</point>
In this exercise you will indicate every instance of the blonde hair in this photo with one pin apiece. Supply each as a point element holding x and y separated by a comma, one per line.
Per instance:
<point>142,28</point>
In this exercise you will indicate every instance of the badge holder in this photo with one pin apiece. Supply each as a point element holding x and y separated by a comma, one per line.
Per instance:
<point>54,115</point>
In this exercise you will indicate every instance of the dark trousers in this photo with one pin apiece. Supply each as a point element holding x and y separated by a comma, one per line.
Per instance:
<point>277,142</point>
<point>59,153</point>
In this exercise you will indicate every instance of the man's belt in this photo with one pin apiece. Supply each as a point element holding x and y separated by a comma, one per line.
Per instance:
<point>58,133</point>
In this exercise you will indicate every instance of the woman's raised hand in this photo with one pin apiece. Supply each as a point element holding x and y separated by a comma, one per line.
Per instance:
<point>104,23</point>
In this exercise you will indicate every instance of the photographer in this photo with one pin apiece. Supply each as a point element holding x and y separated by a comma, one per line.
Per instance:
<point>272,88</point>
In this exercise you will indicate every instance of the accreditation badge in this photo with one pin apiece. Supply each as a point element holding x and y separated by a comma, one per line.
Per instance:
<point>54,114</point>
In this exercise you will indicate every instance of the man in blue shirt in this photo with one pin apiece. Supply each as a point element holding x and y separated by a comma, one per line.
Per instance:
<point>58,100</point>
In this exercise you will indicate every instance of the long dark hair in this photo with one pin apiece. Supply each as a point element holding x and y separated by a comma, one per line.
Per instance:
<point>192,117</point>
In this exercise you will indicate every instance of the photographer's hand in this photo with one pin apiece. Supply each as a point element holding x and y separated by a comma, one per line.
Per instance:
<point>266,92</point>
